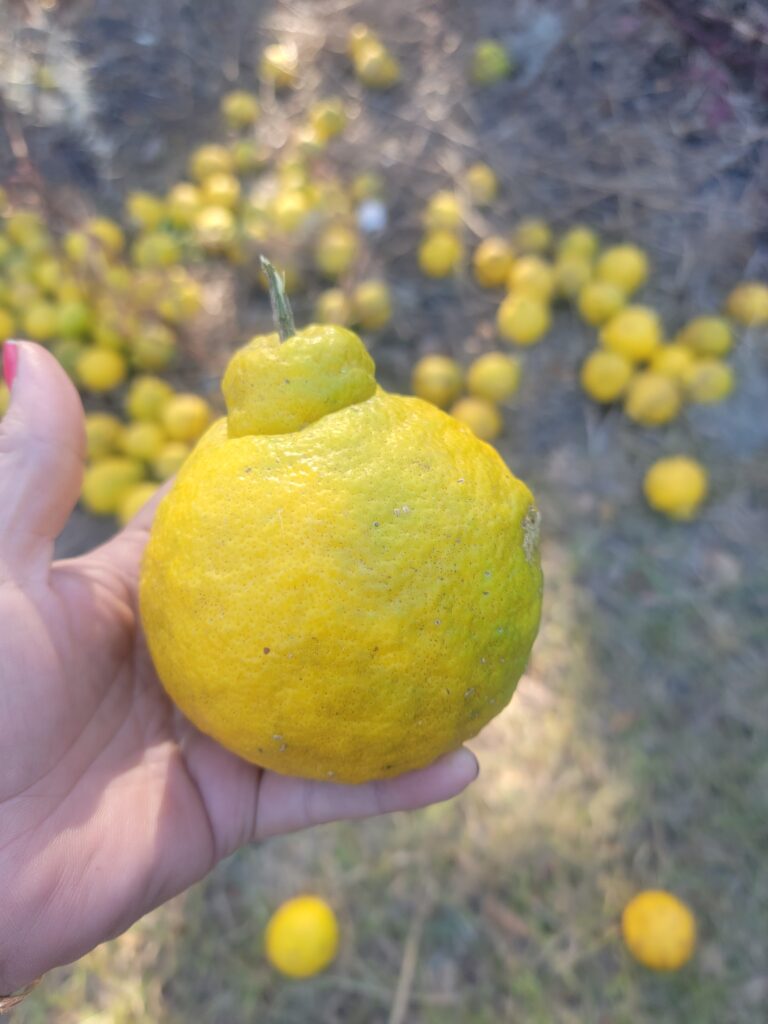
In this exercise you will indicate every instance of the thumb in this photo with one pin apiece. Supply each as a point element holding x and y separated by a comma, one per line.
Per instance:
<point>42,450</point>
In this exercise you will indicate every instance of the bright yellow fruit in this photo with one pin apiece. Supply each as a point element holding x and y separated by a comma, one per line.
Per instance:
<point>371,305</point>
<point>492,262</point>
<point>145,210</point>
<point>328,117</point>
<point>153,347</point>
<point>100,369</point>
<point>673,360</point>
<point>240,108</point>
<point>134,500</point>
<point>375,66</point>
<point>169,459</point>
<point>106,483</point>
<point>572,273</point>
<point>333,307</point>
<point>676,486</point>
<point>183,203</point>
<point>107,233</point>
<point>142,440</point>
<point>185,417</point>
<point>214,228</point>
<point>101,434</point>
<point>634,332</point>
<point>659,930</point>
<point>41,321</point>
<point>302,937</point>
<point>599,301</point>
<point>579,242</point>
<point>748,303</point>
<point>336,250</point>
<point>707,381</point>
<point>73,320</point>
<point>652,399</point>
<point>437,379</point>
<point>208,160</point>
<point>481,416</point>
<point>156,249</point>
<point>605,376</point>
<point>443,212</point>
<point>221,189</point>
<point>279,65</point>
<point>343,583</point>
<point>532,276</point>
<point>522,319</point>
<point>494,376</point>
<point>532,235</point>
<point>481,184</point>
<point>440,253</point>
<point>707,336</point>
<point>289,209</point>
<point>490,63</point>
<point>625,266</point>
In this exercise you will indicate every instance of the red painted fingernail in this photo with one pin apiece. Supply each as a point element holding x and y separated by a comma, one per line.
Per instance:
<point>10,362</point>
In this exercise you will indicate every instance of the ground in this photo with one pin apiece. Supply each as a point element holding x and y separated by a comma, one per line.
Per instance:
<point>634,753</point>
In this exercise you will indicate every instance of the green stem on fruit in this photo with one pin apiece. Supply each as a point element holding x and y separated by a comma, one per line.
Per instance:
<point>282,313</point>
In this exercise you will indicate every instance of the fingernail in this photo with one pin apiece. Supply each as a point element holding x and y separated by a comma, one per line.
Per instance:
<point>468,762</point>
<point>10,361</point>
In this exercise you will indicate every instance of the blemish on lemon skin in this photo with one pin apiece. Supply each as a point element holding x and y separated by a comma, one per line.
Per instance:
<point>531,525</point>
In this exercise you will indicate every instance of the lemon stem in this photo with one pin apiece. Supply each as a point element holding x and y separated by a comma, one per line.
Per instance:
<point>282,313</point>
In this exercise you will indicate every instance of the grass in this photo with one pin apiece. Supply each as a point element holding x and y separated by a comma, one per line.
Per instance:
<point>634,753</point>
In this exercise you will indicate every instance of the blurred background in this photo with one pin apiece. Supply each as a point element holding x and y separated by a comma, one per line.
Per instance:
<point>634,753</point>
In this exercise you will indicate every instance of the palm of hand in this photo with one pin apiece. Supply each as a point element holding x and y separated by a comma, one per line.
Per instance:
<point>110,802</point>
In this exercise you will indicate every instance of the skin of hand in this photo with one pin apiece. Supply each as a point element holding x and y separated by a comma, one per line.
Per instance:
<point>110,802</point>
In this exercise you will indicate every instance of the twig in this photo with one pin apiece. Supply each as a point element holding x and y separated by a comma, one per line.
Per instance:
<point>397,1014</point>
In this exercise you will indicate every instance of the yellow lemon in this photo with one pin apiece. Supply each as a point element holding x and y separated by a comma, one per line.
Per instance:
<point>747,303</point>
<point>134,500</point>
<point>47,274</point>
<point>494,376</point>
<point>375,66</point>
<point>106,483</point>
<point>343,583</point>
<point>153,347</point>
<point>169,459</point>
<point>208,160</point>
<point>73,320</point>
<point>659,930</point>
<point>183,203</point>
<point>185,417</point>
<point>302,937</point>
<point>221,189</point>
<point>336,250</point>
<point>107,233</point>
<point>279,65</point>
<point>490,63</point>
<point>634,332</point>
<point>289,209</point>
<point>328,117</point>
<point>674,360</point>
<point>443,212</point>
<point>156,249</point>
<point>652,399</point>
<point>41,321</point>
<point>533,235</point>
<point>707,381</point>
<point>523,319</point>
<point>145,210</point>
<point>481,184</point>
<point>437,379</point>
<point>625,266</point>
<point>100,369</point>
<point>533,276</point>
<point>676,486</point>
<point>214,228</point>
<point>599,301</point>
<point>7,325</point>
<point>240,108</point>
<point>707,336</point>
<point>481,416</point>
<point>333,307</point>
<point>440,253</point>
<point>605,376</point>
<point>371,305</point>
<point>102,431</point>
<point>141,440</point>
<point>579,242</point>
<point>572,274</point>
<point>492,262</point>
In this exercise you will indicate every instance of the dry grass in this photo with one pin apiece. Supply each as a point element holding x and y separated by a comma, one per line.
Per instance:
<point>635,750</point>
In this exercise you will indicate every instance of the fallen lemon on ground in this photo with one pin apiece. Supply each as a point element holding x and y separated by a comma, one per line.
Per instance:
<point>492,262</point>
<point>652,399</point>
<point>634,332</point>
<point>522,319</point>
<point>676,486</point>
<point>494,376</point>
<point>480,415</point>
<point>343,583</point>
<point>302,937</point>
<point>437,379</point>
<point>659,930</point>
<point>605,376</point>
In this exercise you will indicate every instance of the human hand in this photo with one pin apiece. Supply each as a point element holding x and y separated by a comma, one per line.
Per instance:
<point>110,802</point>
